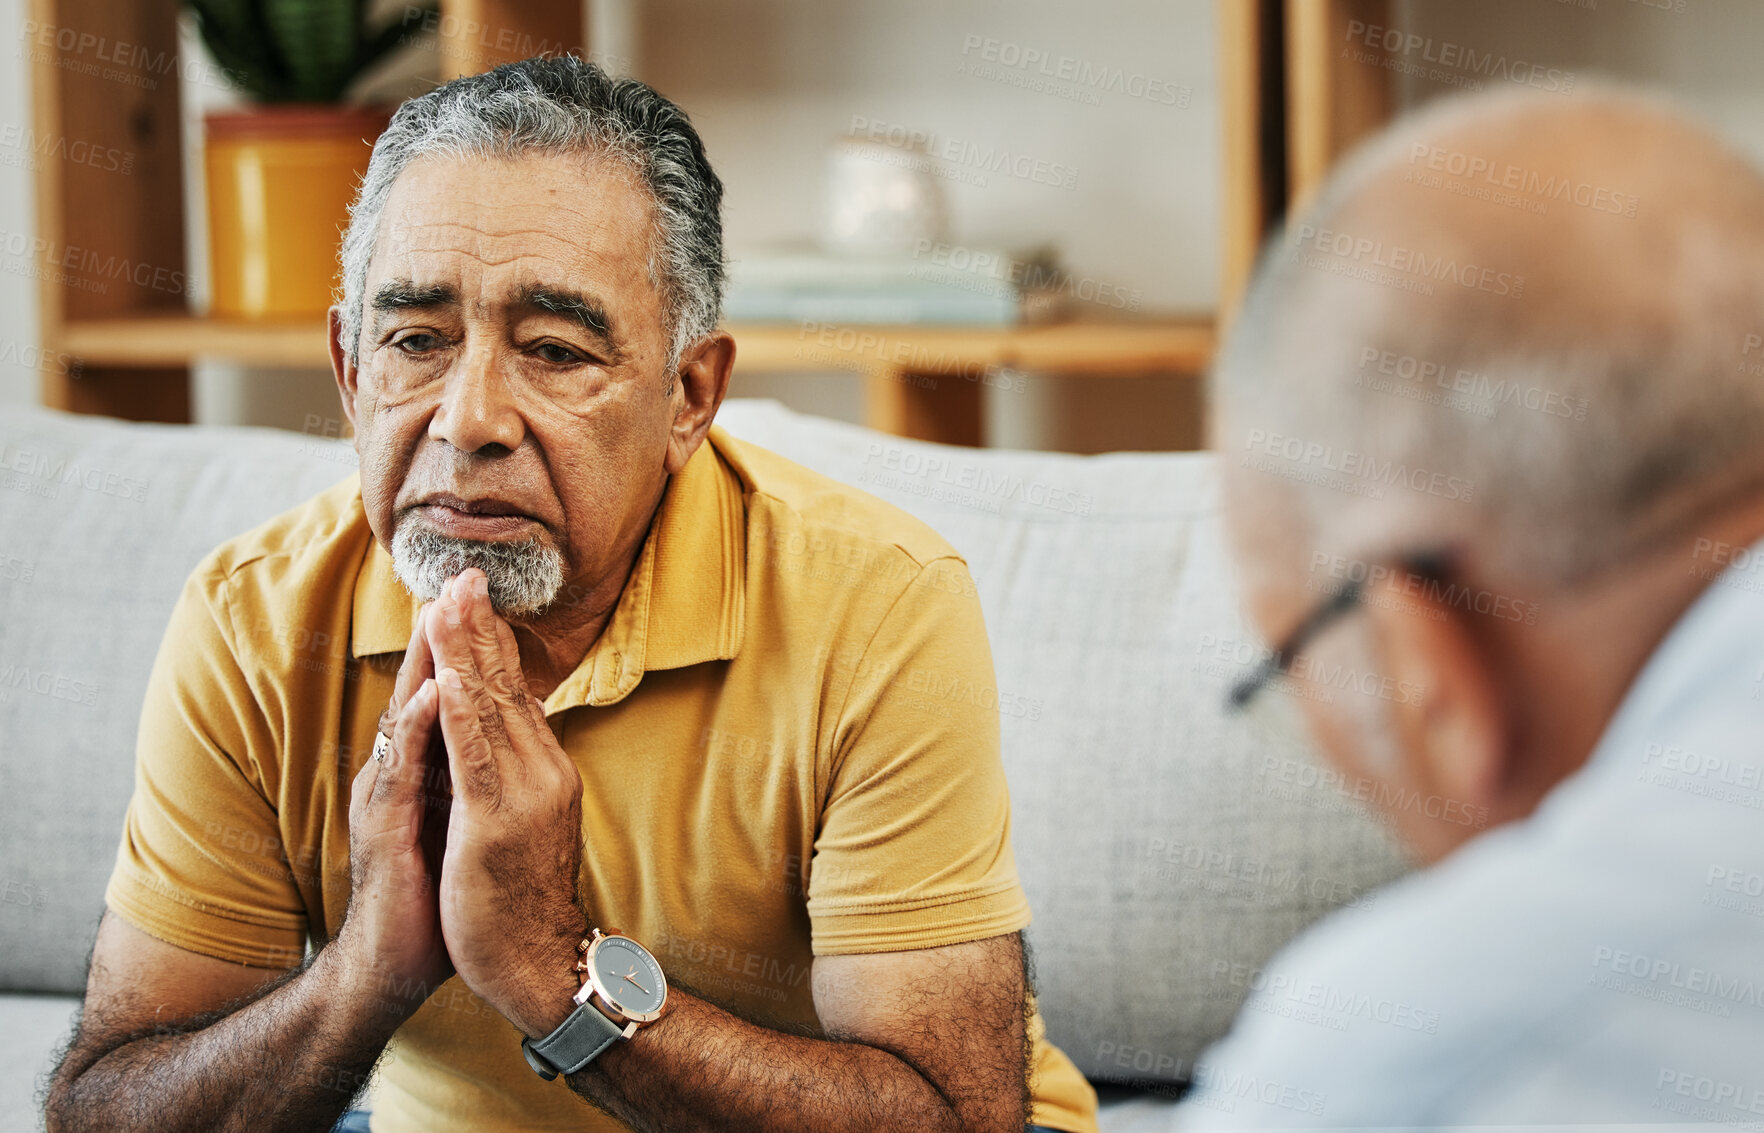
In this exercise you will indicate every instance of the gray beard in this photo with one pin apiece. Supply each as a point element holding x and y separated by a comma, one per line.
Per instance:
<point>525,577</point>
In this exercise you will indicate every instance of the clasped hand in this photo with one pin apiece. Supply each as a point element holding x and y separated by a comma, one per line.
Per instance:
<point>466,840</point>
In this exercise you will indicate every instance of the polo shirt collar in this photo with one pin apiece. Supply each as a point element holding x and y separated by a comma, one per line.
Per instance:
<point>683,604</point>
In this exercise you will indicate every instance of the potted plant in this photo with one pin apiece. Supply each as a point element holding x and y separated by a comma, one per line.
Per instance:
<point>281,174</point>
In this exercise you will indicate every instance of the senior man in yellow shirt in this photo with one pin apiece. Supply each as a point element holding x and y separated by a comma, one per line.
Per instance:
<point>470,767</point>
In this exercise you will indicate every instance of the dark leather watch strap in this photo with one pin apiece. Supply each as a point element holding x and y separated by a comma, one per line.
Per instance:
<point>578,1040</point>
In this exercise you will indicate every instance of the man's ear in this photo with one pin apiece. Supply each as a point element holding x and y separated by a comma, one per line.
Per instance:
<point>699,385</point>
<point>342,365</point>
<point>1447,706</point>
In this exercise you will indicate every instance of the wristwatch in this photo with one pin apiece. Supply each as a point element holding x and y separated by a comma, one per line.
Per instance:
<point>623,989</point>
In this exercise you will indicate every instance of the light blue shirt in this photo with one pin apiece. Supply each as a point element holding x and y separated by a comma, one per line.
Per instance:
<point>1599,962</point>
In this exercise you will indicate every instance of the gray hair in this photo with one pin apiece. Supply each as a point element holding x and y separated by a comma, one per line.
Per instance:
<point>1653,408</point>
<point>561,104</point>
<point>524,578</point>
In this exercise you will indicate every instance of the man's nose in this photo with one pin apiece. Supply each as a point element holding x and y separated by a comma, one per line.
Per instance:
<point>477,406</point>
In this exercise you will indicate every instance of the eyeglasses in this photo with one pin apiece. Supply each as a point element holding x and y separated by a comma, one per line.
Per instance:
<point>1342,601</point>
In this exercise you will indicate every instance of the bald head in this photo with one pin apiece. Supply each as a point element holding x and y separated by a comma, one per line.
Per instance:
<point>1521,330</point>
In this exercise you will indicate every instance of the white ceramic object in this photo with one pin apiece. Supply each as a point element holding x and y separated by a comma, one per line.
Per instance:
<point>881,199</point>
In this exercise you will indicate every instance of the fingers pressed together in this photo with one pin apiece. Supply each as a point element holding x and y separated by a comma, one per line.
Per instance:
<point>486,714</point>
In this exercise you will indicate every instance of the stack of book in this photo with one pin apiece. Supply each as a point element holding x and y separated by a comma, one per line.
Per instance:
<point>812,286</point>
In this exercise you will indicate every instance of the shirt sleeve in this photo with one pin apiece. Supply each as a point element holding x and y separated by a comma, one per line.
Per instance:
<point>202,864</point>
<point>913,849</point>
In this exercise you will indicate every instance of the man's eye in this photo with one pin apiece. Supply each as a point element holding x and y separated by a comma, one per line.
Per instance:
<point>418,343</point>
<point>556,355</point>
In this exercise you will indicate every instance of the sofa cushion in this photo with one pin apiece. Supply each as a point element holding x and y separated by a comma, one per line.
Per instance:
<point>1150,828</point>
<point>100,523</point>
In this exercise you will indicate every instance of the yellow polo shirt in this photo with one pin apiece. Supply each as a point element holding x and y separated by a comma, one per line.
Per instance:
<point>785,733</point>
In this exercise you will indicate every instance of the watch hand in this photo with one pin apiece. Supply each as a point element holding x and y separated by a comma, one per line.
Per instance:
<point>640,987</point>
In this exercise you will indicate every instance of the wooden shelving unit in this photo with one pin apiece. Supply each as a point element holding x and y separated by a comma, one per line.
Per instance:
<point>136,337</point>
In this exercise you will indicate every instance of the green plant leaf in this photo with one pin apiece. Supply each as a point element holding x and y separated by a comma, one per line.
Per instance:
<point>317,41</point>
<point>299,50</point>
<point>235,37</point>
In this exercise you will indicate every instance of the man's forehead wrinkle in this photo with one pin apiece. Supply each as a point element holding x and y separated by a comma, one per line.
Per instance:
<point>501,249</point>
<point>450,207</point>
<point>509,259</point>
<point>491,247</point>
<point>560,210</point>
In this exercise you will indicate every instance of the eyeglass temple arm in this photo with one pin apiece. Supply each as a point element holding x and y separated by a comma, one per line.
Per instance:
<point>1424,564</point>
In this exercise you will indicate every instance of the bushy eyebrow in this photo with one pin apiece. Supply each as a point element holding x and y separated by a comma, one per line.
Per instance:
<point>587,312</point>
<point>403,294</point>
<point>590,313</point>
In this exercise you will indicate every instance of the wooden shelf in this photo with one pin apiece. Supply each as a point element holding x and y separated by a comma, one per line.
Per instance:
<point>1079,349</point>
<point>1172,345</point>
<point>178,340</point>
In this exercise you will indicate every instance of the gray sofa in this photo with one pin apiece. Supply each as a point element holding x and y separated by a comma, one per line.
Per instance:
<point>1145,818</point>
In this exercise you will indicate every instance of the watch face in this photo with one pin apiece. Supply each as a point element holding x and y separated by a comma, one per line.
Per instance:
<point>629,978</point>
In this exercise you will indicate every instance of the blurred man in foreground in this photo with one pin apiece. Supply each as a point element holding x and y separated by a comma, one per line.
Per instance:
<point>1492,423</point>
